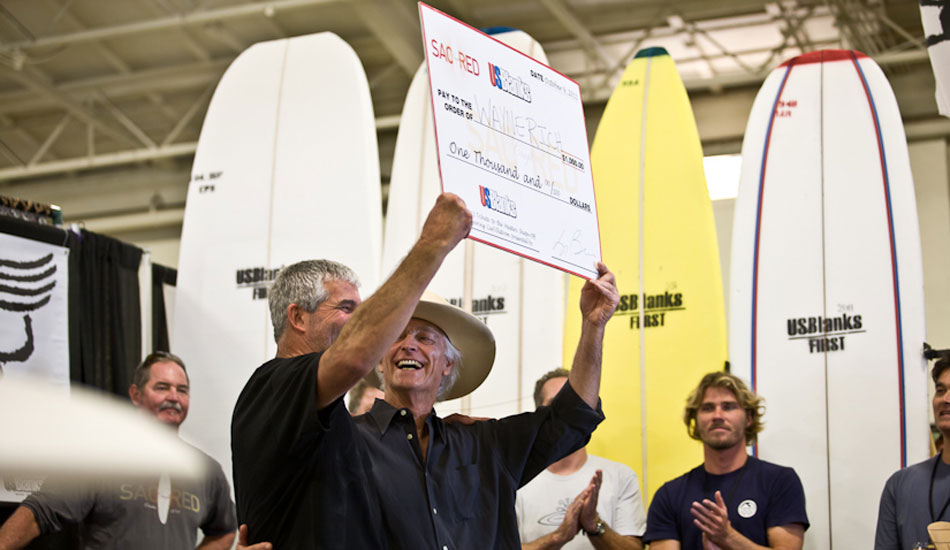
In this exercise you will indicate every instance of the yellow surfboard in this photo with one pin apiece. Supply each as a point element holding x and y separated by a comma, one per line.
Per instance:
<point>659,238</point>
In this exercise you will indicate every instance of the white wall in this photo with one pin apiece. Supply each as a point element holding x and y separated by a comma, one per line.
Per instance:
<point>928,160</point>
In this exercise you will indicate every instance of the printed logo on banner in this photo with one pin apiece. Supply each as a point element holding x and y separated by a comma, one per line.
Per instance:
<point>509,83</point>
<point>493,200</point>
<point>25,286</point>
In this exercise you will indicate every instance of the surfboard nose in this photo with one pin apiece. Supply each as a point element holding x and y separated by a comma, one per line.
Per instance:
<point>653,51</point>
<point>822,56</point>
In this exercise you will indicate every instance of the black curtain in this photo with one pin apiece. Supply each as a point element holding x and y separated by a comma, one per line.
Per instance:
<point>110,313</point>
<point>161,275</point>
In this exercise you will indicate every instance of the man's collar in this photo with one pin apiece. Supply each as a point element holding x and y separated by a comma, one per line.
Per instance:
<point>748,460</point>
<point>382,414</point>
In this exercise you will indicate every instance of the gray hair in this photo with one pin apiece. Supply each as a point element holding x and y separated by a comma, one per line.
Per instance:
<point>454,356</point>
<point>143,371</point>
<point>303,284</point>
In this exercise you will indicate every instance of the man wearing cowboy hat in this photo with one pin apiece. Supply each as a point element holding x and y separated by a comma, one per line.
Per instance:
<point>300,466</point>
<point>462,477</point>
<point>308,476</point>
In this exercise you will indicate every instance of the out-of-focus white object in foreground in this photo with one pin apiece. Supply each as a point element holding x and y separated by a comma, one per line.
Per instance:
<point>84,434</point>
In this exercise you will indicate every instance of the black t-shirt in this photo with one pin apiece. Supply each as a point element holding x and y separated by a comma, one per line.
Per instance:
<point>298,472</point>
<point>759,495</point>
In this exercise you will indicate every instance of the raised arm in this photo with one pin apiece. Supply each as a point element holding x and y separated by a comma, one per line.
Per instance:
<point>375,325</point>
<point>599,299</point>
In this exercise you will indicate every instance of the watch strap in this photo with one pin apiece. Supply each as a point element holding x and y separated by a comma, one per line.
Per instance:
<point>599,529</point>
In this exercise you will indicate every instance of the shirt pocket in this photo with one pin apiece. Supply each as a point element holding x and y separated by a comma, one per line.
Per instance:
<point>462,491</point>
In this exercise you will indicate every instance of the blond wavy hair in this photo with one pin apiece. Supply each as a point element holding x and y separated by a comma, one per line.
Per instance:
<point>749,401</point>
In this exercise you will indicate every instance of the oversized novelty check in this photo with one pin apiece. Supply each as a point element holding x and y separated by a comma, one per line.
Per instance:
<point>513,144</point>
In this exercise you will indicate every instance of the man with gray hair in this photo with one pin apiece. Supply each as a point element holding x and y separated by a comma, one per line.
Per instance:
<point>299,463</point>
<point>463,477</point>
<point>308,475</point>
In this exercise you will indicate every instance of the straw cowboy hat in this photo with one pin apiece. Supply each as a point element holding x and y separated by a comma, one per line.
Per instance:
<point>470,336</point>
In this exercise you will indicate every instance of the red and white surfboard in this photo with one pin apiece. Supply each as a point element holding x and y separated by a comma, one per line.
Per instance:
<point>826,303</point>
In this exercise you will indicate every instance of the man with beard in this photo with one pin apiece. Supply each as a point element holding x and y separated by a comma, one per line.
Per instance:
<point>732,501</point>
<point>126,514</point>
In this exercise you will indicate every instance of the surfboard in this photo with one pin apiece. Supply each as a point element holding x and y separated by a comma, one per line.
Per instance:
<point>826,297</point>
<point>520,300</point>
<point>286,169</point>
<point>659,238</point>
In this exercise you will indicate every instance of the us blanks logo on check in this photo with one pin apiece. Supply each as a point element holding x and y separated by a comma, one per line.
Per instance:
<point>509,83</point>
<point>493,200</point>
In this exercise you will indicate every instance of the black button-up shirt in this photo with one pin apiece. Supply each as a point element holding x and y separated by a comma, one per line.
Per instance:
<point>463,496</point>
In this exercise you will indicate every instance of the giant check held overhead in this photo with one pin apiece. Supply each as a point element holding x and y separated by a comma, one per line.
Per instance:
<point>513,144</point>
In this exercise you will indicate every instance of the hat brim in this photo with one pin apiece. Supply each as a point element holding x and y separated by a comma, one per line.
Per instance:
<point>468,334</point>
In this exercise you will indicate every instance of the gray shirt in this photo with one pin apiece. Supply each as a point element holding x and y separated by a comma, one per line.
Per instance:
<point>122,514</point>
<point>905,510</point>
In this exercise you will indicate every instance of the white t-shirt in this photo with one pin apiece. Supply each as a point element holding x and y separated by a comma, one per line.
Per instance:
<point>541,503</point>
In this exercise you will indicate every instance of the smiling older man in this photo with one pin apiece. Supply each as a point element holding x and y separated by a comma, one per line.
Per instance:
<point>309,475</point>
<point>462,477</point>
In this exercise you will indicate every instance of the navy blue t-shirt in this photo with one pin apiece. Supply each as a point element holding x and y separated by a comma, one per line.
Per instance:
<point>759,495</point>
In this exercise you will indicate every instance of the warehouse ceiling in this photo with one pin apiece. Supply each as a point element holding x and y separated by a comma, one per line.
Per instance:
<point>99,90</point>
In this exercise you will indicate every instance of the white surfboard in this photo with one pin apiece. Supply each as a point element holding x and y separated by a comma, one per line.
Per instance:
<point>520,300</point>
<point>826,305</point>
<point>286,169</point>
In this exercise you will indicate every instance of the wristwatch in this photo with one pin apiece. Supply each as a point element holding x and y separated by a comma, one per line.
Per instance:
<point>599,529</point>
